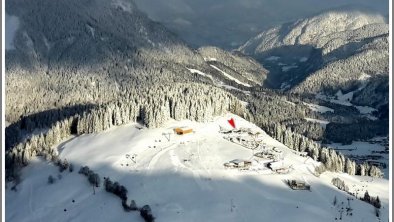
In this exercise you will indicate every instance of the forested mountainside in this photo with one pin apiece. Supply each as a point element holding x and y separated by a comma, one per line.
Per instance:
<point>77,52</point>
<point>95,53</point>
<point>106,64</point>
<point>181,101</point>
<point>328,31</point>
<point>251,71</point>
<point>336,50</point>
<point>366,69</point>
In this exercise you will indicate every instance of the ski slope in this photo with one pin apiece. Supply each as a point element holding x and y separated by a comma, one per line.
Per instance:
<point>183,179</point>
<point>323,123</point>
<point>317,108</point>
<point>216,81</point>
<point>230,77</point>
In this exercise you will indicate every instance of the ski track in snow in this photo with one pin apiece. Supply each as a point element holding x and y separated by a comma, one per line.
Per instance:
<point>218,82</point>
<point>196,175</point>
<point>230,77</point>
<point>158,155</point>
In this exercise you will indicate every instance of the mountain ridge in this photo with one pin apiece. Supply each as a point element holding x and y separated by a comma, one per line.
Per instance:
<point>335,49</point>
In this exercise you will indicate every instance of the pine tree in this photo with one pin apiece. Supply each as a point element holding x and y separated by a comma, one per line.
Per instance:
<point>51,180</point>
<point>367,198</point>
<point>377,203</point>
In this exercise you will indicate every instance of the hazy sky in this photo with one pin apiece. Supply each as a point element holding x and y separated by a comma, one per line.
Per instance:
<point>228,23</point>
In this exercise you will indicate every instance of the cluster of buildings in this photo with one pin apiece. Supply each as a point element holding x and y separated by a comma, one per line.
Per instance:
<point>269,157</point>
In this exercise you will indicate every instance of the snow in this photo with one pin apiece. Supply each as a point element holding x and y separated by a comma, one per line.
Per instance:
<point>210,59</point>
<point>344,99</point>
<point>47,43</point>
<point>291,103</point>
<point>287,68</point>
<point>284,86</point>
<point>230,77</point>
<point>362,148</point>
<point>11,26</point>
<point>317,108</point>
<point>248,77</point>
<point>364,77</point>
<point>232,87</point>
<point>323,123</point>
<point>327,31</point>
<point>217,82</point>
<point>91,30</point>
<point>273,58</point>
<point>365,109</point>
<point>124,5</point>
<point>201,73</point>
<point>182,180</point>
<point>245,104</point>
<point>303,59</point>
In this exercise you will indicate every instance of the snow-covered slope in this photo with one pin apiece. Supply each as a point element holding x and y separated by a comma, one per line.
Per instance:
<point>183,178</point>
<point>328,52</point>
<point>348,71</point>
<point>96,51</point>
<point>328,31</point>
<point>240,67</point>
<point>81,31</point>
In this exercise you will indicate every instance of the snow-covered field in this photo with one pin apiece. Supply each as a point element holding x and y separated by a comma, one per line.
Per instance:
<point>183,179</point>
<point>323,123</point>
<point>273,58</point>
<point>303,59</point>
<point>345,99</point>
<point>366,150</point>
<point>317,108</point>
<point>287,68</point>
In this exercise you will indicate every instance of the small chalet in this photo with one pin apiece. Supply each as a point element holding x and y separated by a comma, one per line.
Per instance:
<point>238,163</point>
<point>298,185</point>
<point>182,131</point>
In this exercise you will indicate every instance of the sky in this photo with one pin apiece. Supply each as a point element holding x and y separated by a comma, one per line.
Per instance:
<point>229,23</point>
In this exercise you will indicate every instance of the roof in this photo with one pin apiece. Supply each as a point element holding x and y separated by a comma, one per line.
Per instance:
<point>182,129</point>
<point>238,161</point>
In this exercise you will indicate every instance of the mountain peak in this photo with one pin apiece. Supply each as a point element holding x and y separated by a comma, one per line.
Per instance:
<point>316,31</point>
